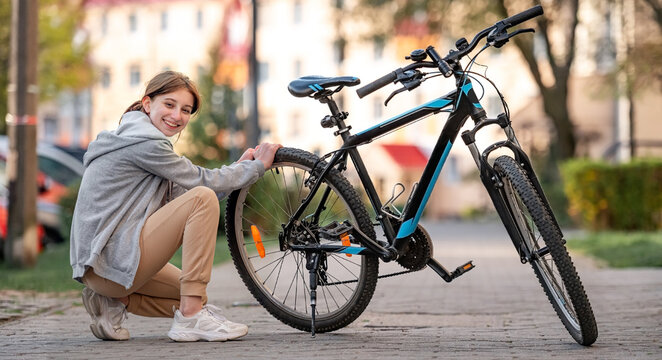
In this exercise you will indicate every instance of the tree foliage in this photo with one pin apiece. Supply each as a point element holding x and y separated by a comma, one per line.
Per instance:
<point>460,18</point>
<point>206,133</point>
<point>63,50</point>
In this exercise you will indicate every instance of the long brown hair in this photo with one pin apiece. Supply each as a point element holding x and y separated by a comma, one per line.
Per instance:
<point>164,83</point>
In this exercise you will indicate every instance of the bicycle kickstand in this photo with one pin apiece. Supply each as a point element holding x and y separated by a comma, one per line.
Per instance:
<point>312,264</point>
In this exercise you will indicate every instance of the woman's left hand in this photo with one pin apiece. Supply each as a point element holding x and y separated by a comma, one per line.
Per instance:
<point>247,155</point>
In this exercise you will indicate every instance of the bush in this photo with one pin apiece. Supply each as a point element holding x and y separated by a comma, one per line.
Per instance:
<point>619,197</point>
<point>67,204</point>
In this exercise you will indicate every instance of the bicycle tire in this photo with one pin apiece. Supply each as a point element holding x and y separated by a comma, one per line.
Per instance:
<point>338,303</point>
<point>554,269</point>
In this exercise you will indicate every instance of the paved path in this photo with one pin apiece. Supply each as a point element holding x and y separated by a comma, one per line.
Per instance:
<point>498,311</point>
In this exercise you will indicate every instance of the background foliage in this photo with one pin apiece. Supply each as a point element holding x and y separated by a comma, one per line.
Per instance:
<point>63,50</point>
<point>620,197</point>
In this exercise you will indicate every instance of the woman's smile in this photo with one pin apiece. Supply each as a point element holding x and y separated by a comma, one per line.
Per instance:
<point>170,112</point>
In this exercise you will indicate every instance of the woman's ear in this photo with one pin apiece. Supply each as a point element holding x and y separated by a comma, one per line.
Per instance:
<point>147,102</point>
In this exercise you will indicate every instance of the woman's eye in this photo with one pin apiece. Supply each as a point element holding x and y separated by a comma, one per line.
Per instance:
<point>169,105</point>
<point>187,112</point>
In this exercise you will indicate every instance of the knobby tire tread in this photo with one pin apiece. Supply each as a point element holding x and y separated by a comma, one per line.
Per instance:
<point>553,239</point>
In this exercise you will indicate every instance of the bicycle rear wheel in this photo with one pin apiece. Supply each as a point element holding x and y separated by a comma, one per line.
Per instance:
<point>279,280</point>
<point>548,256</point>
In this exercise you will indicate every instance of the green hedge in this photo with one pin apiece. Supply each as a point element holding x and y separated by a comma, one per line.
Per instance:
<point>615,196</point>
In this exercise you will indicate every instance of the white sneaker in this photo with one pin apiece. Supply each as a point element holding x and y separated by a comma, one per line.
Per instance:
<point>107,316</point>
<point>208,324</point>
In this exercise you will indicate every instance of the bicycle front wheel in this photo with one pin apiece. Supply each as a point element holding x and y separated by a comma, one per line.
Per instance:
<point>279,280</point>
<point>547,253</point>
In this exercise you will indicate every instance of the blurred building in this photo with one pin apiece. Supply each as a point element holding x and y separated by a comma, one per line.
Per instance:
<point>133,40</point>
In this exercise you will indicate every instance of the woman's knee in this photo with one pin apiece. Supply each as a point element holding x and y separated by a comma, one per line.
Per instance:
<point>207,196</point>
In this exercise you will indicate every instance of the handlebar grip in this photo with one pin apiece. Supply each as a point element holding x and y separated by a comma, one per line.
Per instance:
<point>377,84</point>
<point>523,16</point>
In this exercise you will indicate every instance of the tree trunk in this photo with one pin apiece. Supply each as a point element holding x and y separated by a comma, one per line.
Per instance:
<point>555,103</point>
<point>554,98</point>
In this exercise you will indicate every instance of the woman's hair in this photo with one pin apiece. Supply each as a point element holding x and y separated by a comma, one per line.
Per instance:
<point>164,83</point>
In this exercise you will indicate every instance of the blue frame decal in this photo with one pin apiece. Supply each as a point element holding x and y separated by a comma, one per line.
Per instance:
<point>439,103</point>
<point>352,250</point>
<point>408,227</point>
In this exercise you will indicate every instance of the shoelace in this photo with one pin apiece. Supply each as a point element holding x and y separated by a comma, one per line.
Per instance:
<point>216,312</point>
<point>119,317</point>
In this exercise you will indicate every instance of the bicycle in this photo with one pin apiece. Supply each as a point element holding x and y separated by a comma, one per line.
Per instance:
<point>315,222</point>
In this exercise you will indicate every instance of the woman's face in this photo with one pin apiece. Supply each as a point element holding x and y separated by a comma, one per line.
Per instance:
<point>169,112</point>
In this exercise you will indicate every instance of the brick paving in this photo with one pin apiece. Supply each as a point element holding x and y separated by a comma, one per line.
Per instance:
<point>497,311</point>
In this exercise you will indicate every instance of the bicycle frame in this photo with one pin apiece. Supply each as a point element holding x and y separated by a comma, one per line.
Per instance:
<point>464,104</point>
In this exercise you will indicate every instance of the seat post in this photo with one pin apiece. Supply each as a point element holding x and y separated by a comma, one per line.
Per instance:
<point>338,115</point>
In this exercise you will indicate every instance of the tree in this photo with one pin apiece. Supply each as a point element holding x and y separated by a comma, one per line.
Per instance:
<point>560,16</point>
<point>207,132</point>
<point>63,50</point>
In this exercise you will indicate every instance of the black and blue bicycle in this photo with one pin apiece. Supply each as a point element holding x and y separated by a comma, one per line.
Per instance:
<point>306,247</point>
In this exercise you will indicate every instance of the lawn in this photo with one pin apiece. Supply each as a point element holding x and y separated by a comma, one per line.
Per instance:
<point>53,272</point>
<point>622,249</point>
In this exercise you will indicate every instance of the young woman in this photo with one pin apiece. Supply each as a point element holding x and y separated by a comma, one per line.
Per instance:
<point>138,203</point>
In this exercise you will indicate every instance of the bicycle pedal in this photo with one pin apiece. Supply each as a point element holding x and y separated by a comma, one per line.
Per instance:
<point>334,230</point>
<point>462,269</point>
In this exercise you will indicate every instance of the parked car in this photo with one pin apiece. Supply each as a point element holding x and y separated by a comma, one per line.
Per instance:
<point>57,169</point>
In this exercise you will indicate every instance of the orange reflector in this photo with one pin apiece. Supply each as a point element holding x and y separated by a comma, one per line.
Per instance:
<point>344,238</point>
<point>257,238</point>
<point>468,266</point>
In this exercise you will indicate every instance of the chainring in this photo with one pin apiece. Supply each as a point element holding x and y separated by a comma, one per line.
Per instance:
<point>418,249</point>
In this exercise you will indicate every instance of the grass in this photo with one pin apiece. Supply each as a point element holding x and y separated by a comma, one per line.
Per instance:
<point>53,272</point>
<point>622,249</point>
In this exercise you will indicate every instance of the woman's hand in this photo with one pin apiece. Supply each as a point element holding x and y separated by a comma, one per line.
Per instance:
<point>265,152</point>
<point>247,155</point>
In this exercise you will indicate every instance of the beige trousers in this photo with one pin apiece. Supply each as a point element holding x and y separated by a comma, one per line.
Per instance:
<point>189,221</point>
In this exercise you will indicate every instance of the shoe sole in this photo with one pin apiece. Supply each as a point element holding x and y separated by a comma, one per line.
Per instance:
<point>99,329</point>
<point>193,335</point>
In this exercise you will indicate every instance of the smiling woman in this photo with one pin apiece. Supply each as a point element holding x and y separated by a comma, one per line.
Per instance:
<point>171,112</point>
<point>138,203</point>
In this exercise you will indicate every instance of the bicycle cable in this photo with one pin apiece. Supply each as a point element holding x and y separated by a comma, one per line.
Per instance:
<point>466,74</point>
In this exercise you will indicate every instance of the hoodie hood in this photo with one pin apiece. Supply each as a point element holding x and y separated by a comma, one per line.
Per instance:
<point>135,127</point>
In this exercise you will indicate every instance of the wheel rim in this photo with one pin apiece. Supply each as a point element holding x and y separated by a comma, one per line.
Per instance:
<point>544,264</point>
<point>282,275</point>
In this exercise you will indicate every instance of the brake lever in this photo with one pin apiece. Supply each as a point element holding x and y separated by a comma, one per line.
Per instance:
<point>396,92</point>
<point>409,79</point>
<point>501,38</point>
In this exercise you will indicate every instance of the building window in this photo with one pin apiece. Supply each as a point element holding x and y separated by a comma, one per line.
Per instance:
<point>378,48</point>
<point>199,19</point>
<point>377,108</point>
<point>50,128</point>
<point>202,73</point>
<point>164,20</point>
<point>297,12</point>
<point>134,75</point>
<point>452,171</point>
<point>133,23</point>
<point>339,50</point>
<point>263,72</point>
<point>297,68</point>
<point>105,77</point>
<point>104,24</point>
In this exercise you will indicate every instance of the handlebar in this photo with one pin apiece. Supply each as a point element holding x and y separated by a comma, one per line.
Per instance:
<point>523,16</point>
<point>453,56</point>
<point>377,84</point>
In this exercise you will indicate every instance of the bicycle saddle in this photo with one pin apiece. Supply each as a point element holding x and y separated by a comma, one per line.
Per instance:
<point>308,85</point>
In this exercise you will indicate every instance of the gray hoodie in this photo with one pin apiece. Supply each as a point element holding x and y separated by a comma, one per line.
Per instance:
<point>128,172</point>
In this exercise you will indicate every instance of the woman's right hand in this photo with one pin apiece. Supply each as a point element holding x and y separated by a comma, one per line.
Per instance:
<point>265,152</point>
